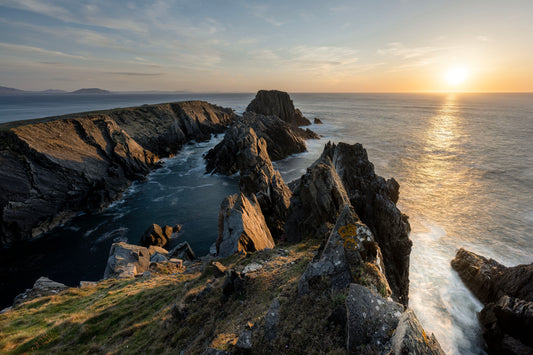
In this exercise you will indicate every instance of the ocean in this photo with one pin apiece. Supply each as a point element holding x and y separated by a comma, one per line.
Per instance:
<point>464,163</point>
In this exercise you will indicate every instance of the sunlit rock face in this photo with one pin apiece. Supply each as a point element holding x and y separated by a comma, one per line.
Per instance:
<point>52,169</point>
<point>242,226</point>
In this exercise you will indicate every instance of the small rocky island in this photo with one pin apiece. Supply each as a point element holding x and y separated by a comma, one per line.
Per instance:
<point>318,265</point>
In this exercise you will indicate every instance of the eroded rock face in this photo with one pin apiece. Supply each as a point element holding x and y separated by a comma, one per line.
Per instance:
<point>241,226</point>
<point>277,103</point>
<point>281,139</point>
<point>126,260</point>
<point>54,168</point>
<point>344,257</point>
<point>249,156</point>
<point>316,202</point>
<point>489,280</point>
<point>374,200</point>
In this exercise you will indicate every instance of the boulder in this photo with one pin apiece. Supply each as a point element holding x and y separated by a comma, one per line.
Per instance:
<point>154,236</point>
<point>489,280</point>
<point>158,258</point>
<point>182,251</point>
<point>316,201</point>
<point>241,226</point>
<point>42,287</point>
<point>277,103</point>
<point>342,260</point>
<point>372,320</point>
<point>374,200</point>
<point>317,121</point>
<point>126,260</point>
<point>410,338</point>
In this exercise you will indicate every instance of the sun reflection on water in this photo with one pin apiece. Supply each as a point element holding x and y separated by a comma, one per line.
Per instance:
<point>436,179</point>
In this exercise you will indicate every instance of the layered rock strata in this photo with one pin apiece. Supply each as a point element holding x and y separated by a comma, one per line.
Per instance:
<point>54,168</point>
<point>507,293</point>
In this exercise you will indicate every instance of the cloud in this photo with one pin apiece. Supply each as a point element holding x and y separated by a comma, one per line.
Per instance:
<point>399,50</point>
<point>133,73</point>
<point>29,49</point>
<point>261,11</point>
<point>323,56</point>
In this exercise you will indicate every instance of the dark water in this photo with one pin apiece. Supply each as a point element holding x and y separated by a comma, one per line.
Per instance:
<point>464,163</point>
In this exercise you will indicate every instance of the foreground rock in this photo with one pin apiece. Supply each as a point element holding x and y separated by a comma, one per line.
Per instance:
<point>54,168</point>
<point>277,103</point>
<point>507,293</point>
<point>344,174</point>
<point>241,226</point>
<point>126,260</point>
<point>42,287</point>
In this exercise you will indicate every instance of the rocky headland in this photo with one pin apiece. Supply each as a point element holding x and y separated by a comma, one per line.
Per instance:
<point>55,168</point>
<point>507,295</point>
<point>319,268</point>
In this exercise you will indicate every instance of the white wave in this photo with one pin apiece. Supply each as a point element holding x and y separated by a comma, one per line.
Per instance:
<point>119,232</point>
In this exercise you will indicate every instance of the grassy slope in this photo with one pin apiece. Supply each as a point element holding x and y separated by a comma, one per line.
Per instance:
<point>135,315</point>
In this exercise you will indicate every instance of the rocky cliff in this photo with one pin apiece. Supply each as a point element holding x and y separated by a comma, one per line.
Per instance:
<point>54,168</point>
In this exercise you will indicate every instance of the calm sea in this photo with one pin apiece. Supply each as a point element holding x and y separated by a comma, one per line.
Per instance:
<point>464,163</point>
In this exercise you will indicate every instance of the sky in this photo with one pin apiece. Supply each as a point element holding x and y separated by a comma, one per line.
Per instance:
<point>243,46</point>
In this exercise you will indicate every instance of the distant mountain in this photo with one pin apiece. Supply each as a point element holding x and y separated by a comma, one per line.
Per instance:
<point>10,91</point>
<point>51,91</point>
<point>91,91</point>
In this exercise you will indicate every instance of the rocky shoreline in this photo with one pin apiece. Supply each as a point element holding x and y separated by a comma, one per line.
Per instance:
<point>507,295</point>
<point>358,277</point>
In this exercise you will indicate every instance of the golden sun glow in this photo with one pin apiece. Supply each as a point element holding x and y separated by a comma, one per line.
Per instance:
<point>456,75</point>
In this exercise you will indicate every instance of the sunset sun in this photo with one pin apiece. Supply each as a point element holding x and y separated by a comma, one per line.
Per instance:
<point>456,75</point>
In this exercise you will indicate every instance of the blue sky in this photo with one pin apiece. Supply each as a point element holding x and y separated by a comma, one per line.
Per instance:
<point>247,45</point>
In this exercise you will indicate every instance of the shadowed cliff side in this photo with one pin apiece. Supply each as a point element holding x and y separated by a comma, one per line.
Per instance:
<point>54,168</point>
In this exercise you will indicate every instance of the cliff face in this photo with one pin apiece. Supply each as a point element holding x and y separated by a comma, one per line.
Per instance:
<point>54,168</point>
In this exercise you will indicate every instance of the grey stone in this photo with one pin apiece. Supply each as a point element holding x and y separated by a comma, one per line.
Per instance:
<point>271,320</point>
<point>372,320</point>
<point>343,256</point>
<point>251,268</point>
<point>126,260</point>
<point>410,337</point>
<point>158,258</point>
<point>245,340</point>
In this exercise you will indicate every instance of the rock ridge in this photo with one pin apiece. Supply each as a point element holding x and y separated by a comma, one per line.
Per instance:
<point>54,168</point>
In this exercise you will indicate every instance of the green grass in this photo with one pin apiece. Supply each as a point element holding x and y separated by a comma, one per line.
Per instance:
<point>134,316</point>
